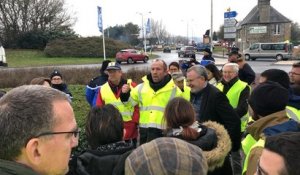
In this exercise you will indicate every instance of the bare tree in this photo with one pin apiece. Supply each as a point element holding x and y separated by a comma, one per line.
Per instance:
<point>158,31</point>
<point>21,16</point>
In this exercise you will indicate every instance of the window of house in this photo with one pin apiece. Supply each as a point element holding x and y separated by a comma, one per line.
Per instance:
<point>276,29</point>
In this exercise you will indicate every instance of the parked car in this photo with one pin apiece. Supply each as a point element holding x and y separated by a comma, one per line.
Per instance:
<point>187,51</point>
<point>131,56</point>
<point>167,49</point>
<point>178,46</point>
<point>279,51</point>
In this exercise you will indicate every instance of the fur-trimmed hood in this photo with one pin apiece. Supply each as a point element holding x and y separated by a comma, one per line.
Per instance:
<point>215,157</point>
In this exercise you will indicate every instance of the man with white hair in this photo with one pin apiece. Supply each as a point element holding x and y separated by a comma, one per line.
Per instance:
<point>237,93</point>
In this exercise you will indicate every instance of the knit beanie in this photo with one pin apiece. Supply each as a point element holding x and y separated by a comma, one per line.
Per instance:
<point>166,155</point>
<point>55,73</point>
<point>267,98</point>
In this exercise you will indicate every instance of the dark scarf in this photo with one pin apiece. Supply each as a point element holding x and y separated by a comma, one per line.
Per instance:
<point>159,85</point>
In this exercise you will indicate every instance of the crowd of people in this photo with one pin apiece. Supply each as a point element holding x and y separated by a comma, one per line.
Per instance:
<point>179,120</point>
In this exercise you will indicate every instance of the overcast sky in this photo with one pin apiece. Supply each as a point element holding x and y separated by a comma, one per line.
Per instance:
<point>180,17</point>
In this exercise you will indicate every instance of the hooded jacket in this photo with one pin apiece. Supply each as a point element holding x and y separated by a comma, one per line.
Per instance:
<point>259,130</point>
<point>106,159</point>
<point>215,143</point>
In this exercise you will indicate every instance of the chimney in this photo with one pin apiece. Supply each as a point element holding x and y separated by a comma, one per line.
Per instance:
<point>264,10</point>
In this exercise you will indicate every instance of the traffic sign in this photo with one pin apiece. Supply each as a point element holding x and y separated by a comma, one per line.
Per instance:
<point>229,29</point>
<point>229,35</point>
<point>229,22</point>
<point>230,14</point>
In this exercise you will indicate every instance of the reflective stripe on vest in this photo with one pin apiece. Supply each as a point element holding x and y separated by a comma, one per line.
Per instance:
<point>152,104</point>
<point>233,96</point>
<point>109,98</point>
<point>293,113</point>
<point>259,143</point>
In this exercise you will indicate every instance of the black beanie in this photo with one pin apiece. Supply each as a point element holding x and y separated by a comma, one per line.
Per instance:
<point>55,73</point>
<point>267,98</point>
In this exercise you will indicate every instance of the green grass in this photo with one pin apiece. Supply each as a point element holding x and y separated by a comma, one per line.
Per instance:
<point>28,58</point>
<point>34,58</point>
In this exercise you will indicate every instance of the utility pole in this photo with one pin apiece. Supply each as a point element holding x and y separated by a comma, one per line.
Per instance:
<point>211,25</point>
<point>143,31</point>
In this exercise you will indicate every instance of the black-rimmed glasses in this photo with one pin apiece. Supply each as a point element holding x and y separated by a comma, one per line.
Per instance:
<point>75,133</point>
<point>293,73</point>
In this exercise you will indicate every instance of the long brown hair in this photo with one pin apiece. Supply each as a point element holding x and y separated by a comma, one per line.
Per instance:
<point>180,113</point>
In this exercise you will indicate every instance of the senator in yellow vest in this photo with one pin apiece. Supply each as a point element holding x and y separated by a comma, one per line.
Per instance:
<point>236,91</point>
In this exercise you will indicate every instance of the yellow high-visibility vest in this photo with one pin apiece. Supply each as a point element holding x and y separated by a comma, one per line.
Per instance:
<point>233,96</point>
<point>152,104</point>
<point>259,143</point>
<point>293,113</point>
<point>109,97</point>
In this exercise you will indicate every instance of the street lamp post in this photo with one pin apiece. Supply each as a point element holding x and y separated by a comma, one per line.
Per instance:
<point>143,31</point>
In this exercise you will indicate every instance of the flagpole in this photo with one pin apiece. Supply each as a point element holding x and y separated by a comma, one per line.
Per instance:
<point>104,55</point>
<point>100,26</point>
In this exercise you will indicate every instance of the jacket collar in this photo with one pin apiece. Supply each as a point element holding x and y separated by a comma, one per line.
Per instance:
<point>256,129</point>
<point>16,168</point>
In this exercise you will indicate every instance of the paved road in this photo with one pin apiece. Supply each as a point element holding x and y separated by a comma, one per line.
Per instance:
<point>258,66</point>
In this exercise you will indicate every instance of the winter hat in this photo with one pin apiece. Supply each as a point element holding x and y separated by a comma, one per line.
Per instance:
<point>267,98</point>
<point>207,50</point>
<point>104,66</point>
<point>277,75</point>
<point>55,73</point>
<point>166,155</point>
<point>177,76</point>
<point>113,66</point>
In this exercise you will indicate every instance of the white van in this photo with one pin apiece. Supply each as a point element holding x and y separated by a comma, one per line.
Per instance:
<point>279,51</point>
<point>2,56</point>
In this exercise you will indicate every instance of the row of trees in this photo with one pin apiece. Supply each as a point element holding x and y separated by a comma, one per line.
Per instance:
<point>32,23</point>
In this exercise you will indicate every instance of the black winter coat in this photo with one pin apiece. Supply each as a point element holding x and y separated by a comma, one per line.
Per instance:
<point>215,106</point>
<point>105,160</point>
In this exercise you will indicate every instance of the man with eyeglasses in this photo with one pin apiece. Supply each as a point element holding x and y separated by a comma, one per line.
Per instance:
<point>211,104</point>
<point>295,74</point>
<point>280,155</point>
<point>38,131</point>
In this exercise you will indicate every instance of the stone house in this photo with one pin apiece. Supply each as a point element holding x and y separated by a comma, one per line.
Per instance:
<point>263,24</point>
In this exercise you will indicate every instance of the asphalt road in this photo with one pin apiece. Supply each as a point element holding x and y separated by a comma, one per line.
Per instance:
<point>258,66</point>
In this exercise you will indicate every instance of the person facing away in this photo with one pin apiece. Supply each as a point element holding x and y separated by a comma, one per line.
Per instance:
<point>58,83</point>
<point>38,131</point>
<point>207,55</point>
<point>166,156</point>
<point>267,104</point>
<point>109,93</point>
<point>213,74</point>
<point>92,89</point>
<point>281,77</point>
<point>152,97</point>
<point>107,151</point>
<point>246,73</point>
<point>280,155</point>
<point>211,104</point>
<point>211,137</point>
<point>41,81</point>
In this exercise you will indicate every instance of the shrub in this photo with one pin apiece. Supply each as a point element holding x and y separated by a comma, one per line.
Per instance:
<point>84,47</point>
